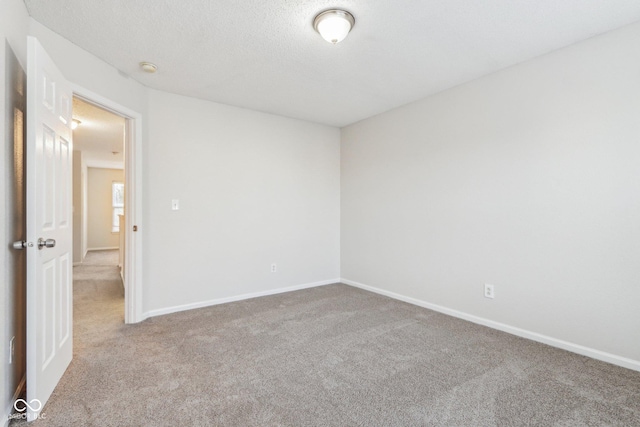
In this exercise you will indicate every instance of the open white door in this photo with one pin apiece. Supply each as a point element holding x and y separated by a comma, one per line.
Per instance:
<point>49,229</point>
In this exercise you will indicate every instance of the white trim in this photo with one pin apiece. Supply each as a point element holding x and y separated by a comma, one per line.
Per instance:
<point>554,342</point>
<point>191,306</point>
<point>133,192</point>
<point>106,248</point>
<point>102,102</point>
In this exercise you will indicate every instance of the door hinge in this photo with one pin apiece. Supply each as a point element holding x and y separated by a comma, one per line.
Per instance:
<point>135,228</point>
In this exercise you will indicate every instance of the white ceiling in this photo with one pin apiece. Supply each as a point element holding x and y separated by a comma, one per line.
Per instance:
<point>265,55</point>
<point>99,130</point>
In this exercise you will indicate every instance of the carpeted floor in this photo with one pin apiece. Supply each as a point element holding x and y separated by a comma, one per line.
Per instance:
<point>327,356</point>
<point>106,257</point>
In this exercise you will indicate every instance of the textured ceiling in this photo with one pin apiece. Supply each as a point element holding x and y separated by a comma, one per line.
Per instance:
<point>265,55</point>
<point>99,130</point>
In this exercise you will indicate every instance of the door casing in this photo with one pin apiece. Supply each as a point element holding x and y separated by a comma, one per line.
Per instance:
<point>133,200</point>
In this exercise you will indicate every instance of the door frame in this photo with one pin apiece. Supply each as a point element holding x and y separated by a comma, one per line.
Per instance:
<point>133,199</point>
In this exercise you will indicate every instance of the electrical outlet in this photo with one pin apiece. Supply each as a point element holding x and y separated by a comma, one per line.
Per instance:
<point>488,291</point>
<point>274,268</point>
<point>12,349</point>
<point>175,204</point>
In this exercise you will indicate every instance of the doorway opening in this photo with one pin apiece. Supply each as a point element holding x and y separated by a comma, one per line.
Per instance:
<point>120,151</point>
<point>98,204</point>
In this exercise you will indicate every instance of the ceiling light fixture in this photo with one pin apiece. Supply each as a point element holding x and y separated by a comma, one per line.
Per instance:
<point>334,24</point>
<point>148,67</point>
<point>75,123</point>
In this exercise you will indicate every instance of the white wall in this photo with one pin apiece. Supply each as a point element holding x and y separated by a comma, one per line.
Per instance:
<point>100,208</point>
<point>526,179</point>
<point>302,214</point>
<point>301,158</point>
<point>82,160</point>
<point>103,159</point>
<point>13,26</point>
<point>254,189</point>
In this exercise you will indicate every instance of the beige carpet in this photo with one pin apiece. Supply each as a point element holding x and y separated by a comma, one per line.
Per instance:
<point>328,356</point>
<point>106,257</point>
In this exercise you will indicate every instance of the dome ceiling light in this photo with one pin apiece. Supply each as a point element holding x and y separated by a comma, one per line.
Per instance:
<point>334,24</point>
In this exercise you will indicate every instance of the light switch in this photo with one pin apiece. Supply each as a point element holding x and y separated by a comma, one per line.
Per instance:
<point>175,204</point>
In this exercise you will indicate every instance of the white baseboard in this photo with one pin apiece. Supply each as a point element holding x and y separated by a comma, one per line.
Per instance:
<point>109,248</point>
<point>184,307</point>
<point>534,336</point>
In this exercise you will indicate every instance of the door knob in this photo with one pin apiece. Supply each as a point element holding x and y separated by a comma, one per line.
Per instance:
<point>49,243</point>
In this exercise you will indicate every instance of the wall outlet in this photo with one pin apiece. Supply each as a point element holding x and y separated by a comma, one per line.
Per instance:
<point>12,349</point>
<point>175,204</point>
<point>274,268</point>
<point>488,291</point>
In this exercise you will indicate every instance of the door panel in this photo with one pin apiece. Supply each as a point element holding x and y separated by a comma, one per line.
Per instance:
<point>64,300</point>
<point>49,273</point>
<point>64,175</point>
<point>48,313</point>
<point>47,178</point>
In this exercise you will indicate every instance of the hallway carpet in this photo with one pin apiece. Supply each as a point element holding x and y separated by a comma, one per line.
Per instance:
<point>327,356</point>
<point>102,257</point>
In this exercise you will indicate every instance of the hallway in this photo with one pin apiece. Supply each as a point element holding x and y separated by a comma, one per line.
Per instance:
<point>98,299</point>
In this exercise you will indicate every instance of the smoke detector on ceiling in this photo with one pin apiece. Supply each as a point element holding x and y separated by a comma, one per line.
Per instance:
<point>148,67</point>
